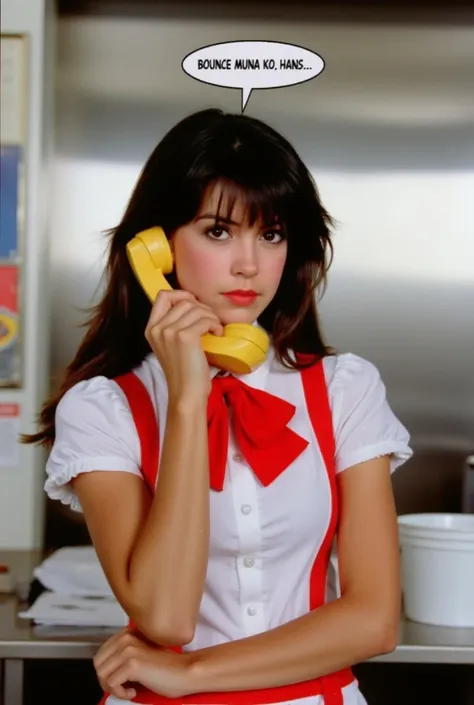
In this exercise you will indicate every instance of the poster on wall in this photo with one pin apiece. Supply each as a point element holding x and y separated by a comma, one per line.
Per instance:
<point>13,120</point>
<point>10,165</point>
<point>9,327</point>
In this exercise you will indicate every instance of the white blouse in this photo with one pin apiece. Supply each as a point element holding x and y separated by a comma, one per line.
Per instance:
<point>264,540</point>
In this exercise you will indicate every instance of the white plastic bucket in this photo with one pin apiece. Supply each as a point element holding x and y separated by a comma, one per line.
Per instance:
<point>437,561</point>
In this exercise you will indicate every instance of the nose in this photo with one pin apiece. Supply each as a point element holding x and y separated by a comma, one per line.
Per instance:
<point>245,258</point>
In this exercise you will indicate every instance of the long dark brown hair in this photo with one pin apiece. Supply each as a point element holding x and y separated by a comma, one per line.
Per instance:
<point>254,162</point>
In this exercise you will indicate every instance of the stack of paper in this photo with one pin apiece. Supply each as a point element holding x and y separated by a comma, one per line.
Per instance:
<point>77,592</point>
<point>54,609</point>
<point>74,571</point>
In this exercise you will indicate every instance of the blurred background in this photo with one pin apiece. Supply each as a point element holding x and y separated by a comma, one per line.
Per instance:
<point>388,132</point>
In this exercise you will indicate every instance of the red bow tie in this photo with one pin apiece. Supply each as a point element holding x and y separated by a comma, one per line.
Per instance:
<point>259,421</point>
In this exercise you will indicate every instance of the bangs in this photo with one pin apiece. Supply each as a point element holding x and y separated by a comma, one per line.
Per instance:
<point>259,205</point>
<point>243,172</point>
<point>237,169</point>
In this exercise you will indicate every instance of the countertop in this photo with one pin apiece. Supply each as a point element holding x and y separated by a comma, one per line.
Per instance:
<point>21,639</point>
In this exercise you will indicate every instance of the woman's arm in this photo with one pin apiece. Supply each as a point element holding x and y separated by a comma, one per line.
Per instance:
<point>154,552</point>
<point>361,624</point>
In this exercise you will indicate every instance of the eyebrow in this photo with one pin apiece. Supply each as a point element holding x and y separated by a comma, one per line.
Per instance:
<point>222,219</point>
<point>214,216</point>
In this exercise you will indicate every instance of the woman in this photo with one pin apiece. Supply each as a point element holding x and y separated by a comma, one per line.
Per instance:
<point>220,558</point>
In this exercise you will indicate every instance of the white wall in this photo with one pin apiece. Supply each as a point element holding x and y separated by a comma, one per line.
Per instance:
<point>21,488</point>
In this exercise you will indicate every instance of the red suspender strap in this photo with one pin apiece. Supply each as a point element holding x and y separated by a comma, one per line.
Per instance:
<point>319,410</point>
<point>144,416</point>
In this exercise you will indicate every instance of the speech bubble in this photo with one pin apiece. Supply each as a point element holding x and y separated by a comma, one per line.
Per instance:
<point>253,64</point>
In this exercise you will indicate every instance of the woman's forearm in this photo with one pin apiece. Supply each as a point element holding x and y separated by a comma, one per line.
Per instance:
<point>335,636</point>
<point>169,563</point>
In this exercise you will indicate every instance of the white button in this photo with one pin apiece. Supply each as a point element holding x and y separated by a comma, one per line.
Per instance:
<point>238,458</point>
<point>252,611</point>
<point>246,509</point>
<point>249,562</point>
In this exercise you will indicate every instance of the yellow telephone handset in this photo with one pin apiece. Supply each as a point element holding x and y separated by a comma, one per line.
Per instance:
<point>240,349</point>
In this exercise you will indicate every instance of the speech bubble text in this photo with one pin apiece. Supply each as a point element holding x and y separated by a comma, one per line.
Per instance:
<point>253,64</point>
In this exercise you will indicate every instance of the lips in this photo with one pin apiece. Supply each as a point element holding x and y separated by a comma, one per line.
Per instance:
<point>241,292</point>
<point>242,297</point>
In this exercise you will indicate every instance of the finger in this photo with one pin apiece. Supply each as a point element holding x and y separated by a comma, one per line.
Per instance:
<point>106,647</point>
<point>200,327</point>
<point>160,315</point>
<point>111,646</point>
<point>175,313</point>
<point>189,317</point>
<point>121,692</point>
<point>117,682</point>
<point>109,669</point>
<point>165,301</point>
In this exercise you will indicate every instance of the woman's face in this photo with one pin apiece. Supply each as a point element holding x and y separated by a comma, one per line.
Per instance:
<point>211,260</point>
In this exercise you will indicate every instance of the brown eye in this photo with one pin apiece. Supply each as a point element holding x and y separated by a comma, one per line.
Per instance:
<point>270,235</point>
<point>216,231</point>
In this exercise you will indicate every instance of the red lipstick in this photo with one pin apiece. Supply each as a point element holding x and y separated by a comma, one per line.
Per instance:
<point>241,297</point>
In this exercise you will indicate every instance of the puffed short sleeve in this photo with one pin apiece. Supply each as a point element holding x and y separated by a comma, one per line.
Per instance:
<point>365,426</point>
<point>94,431</point>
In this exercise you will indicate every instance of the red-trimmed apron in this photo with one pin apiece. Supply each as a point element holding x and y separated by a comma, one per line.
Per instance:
<point>315,391</point>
